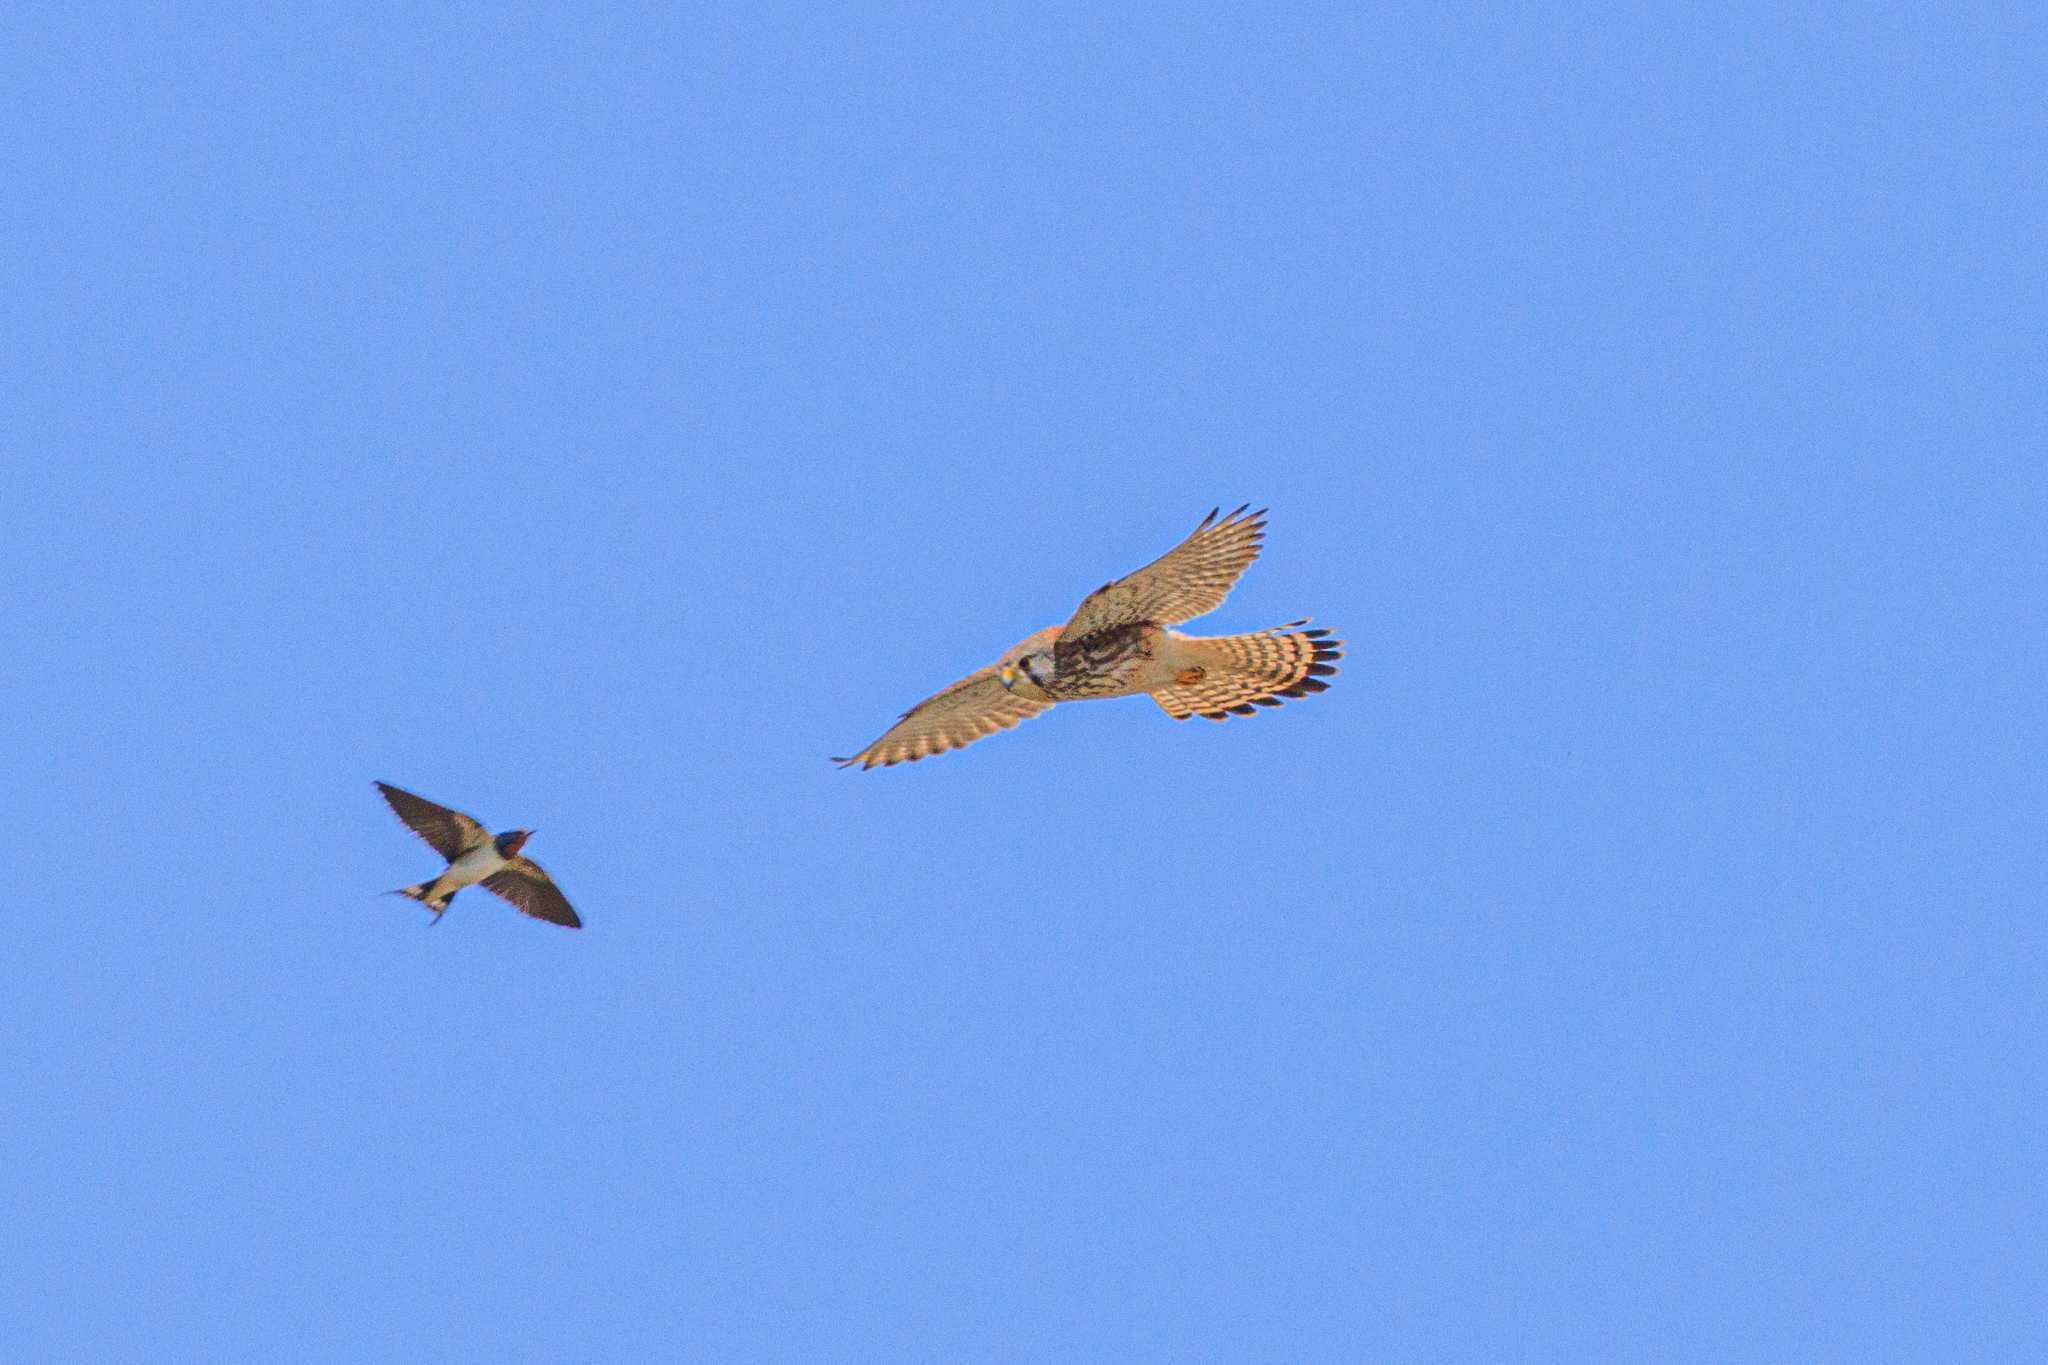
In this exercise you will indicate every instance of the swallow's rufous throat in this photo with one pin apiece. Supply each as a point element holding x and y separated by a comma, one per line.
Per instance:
<point>475,856</point>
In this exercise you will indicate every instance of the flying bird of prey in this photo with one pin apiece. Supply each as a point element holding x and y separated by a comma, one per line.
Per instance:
<point>1118,644</point>
<point>475,856</point>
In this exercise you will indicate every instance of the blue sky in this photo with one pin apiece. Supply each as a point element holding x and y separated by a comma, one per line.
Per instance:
<point>594,420</point>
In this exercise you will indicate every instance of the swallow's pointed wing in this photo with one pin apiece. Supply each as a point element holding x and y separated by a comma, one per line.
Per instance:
<point>450,833</point>
<point>525,885</point>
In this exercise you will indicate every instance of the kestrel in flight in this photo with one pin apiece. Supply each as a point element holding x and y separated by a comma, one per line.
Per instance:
<point>476,856</point>
<point>1118,644</point>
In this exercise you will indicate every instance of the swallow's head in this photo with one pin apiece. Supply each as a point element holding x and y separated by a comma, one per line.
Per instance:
<point>511,841</point>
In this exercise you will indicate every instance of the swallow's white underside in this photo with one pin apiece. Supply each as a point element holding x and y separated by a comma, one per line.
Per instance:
<point>471,868</point>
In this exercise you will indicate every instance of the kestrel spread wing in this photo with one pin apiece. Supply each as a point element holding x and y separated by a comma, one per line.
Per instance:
<point>975,706</point>
<point>450,833</point>
<point>528,887</point>
<point>1192,578</point>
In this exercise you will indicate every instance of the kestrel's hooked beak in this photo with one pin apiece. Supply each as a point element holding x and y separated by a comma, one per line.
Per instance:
<point>1008,677</point>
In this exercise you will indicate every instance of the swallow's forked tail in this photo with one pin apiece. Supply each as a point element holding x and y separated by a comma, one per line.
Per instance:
<point>1240,673</point>
<point>421,892</point>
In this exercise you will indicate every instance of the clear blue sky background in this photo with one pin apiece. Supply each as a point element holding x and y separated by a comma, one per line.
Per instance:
<point>594,420</point>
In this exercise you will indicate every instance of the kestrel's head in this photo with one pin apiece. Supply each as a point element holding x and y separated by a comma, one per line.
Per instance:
<point>1026,674</point>
<point>511,841</point>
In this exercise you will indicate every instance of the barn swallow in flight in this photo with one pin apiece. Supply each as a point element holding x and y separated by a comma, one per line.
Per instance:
<point>474,856</point>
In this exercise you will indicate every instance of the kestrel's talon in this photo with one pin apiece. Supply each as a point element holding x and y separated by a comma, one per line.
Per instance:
<point>1188,677</point>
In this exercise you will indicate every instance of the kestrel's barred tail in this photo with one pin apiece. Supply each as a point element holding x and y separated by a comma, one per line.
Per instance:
<point>1241,673</point>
